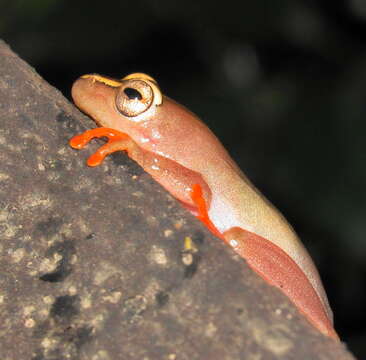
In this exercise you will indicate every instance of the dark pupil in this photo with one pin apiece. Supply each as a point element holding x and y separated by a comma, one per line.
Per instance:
<point>132,94</point>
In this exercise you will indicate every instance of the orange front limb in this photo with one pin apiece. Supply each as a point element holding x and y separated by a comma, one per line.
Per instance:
<point>200,202</point>
<point>116,142</point>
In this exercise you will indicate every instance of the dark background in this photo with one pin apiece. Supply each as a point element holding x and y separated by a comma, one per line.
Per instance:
<point>282,83</point>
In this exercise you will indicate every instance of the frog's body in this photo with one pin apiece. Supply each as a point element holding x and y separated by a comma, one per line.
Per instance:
<point>180,152</point>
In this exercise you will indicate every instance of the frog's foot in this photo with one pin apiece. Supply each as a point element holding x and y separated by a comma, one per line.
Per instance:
<point>202,212</point>
<point>117,141</point>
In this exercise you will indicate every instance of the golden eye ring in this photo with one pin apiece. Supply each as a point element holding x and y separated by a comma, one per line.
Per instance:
<point>134,97</point>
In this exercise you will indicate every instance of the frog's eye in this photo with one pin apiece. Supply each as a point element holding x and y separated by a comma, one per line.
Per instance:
<point>134,97</point>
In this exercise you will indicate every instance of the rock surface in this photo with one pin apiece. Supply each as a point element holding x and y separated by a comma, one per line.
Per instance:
<point>103,264</point>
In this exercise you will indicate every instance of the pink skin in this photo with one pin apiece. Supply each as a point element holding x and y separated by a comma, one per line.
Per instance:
<point>179,151</point>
